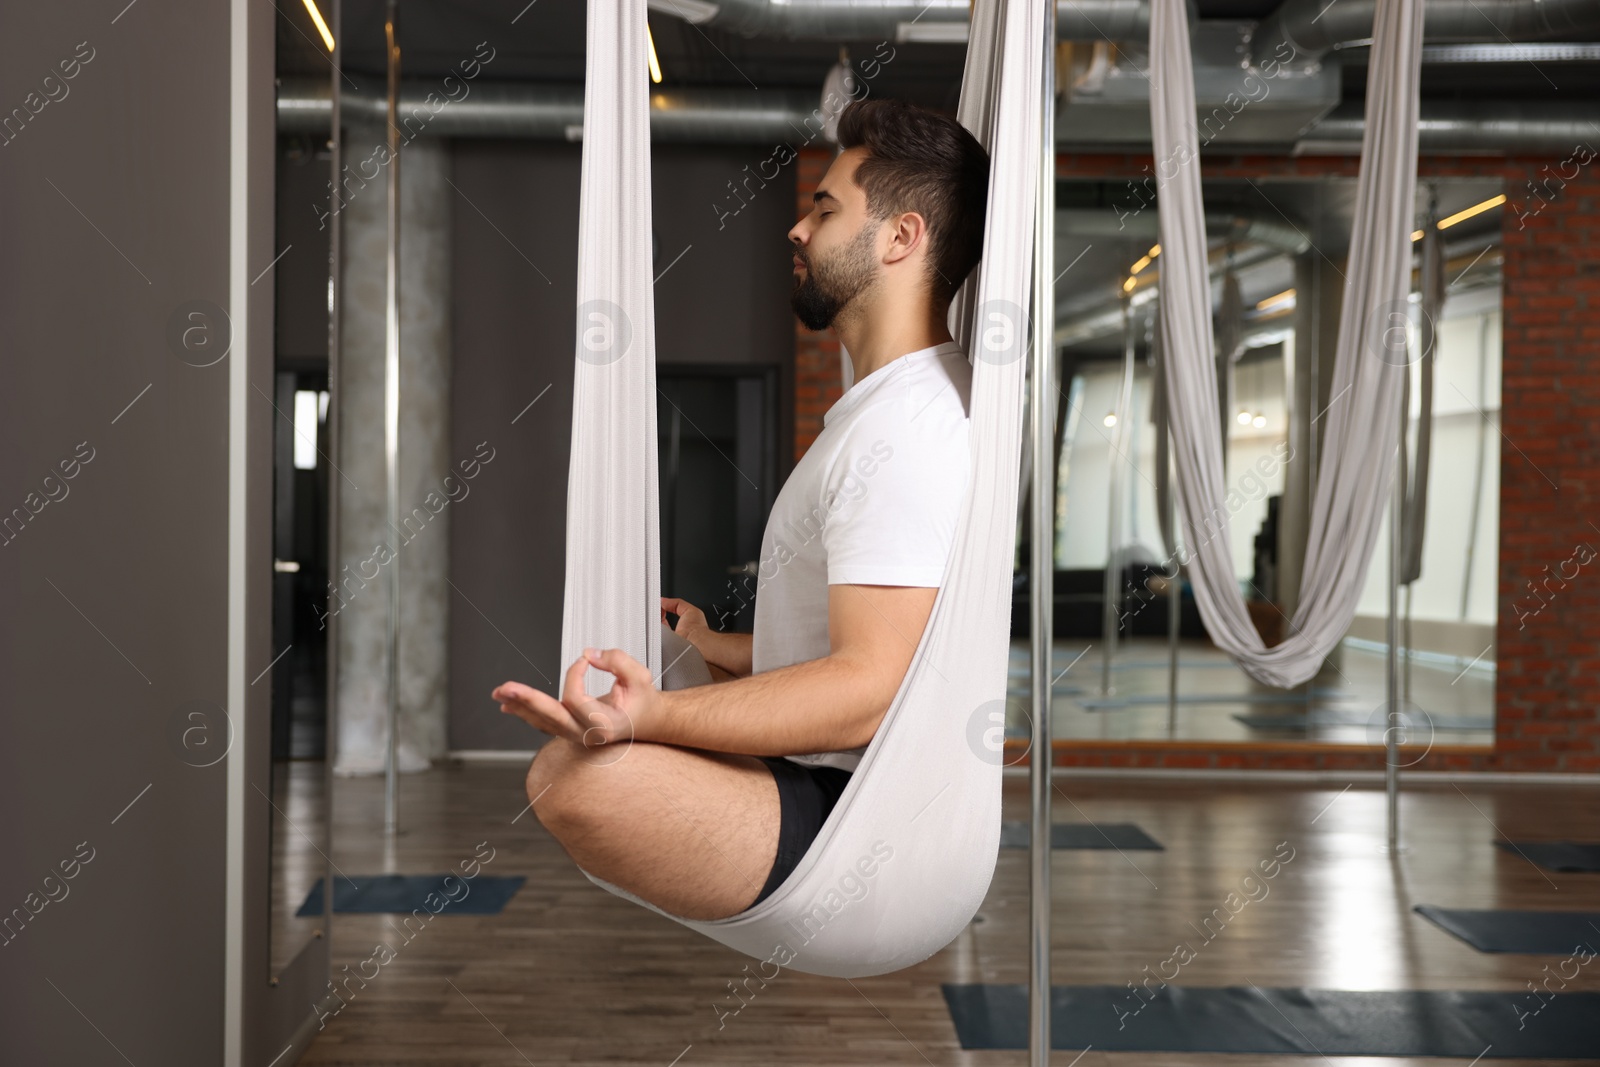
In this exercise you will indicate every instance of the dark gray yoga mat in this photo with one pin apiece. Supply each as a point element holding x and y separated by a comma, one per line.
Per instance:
<point>1556,855</point>
<point>1308,1022</point>
<point>1110,835</point>
<point>1555,933</point>
<point>403,893</point>
<point>1358,717</point>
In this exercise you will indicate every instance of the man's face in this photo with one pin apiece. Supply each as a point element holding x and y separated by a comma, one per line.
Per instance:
<point>835,254</point>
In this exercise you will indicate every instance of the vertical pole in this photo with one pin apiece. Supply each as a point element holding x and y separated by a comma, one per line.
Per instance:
<point>335,398</point>
<point>391,421</point>
<point>1408,471</point>
<point>1391,733</point>
<point>1042,552</point>
<point>1174,609</point>
<point>1405,643</point>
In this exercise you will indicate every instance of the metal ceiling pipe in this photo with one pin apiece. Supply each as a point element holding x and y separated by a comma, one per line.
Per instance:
<point>851,20</point>
<point>1104,319</point>
<point>1312,28</point>
<point>549,112</point>
<point>1283,233</point>
<point>773,116</point>
<point>1277,231</point>
<point>1448,126</point>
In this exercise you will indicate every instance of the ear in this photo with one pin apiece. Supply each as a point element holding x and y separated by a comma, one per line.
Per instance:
<point>908,232</point>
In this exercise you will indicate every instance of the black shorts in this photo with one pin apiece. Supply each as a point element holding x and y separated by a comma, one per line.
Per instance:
<point>805,797</point>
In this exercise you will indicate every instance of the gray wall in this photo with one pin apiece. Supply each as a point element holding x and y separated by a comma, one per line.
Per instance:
<point>726,301</point>
<point>121,199</point>
<point>301,281</point>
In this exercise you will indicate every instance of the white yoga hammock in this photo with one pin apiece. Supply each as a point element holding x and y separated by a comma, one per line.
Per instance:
<point>922,811</point>
<point>1358,455</point>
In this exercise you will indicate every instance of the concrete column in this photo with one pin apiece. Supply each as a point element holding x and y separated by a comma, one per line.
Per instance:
<point>1294,514</point>
<point>1319,294</point>
<point>420,548</point>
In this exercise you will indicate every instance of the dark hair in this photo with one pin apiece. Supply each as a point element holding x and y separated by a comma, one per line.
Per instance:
<point>919,160</point>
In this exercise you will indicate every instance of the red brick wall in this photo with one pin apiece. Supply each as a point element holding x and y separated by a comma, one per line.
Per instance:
<point>1548,688</point>
<point>1548,683</point>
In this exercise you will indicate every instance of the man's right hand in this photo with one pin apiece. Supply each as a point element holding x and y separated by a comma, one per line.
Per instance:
<point>692,623</point>
<point>713,646</point>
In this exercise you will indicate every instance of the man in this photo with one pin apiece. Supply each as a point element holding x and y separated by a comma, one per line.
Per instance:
<point>703,800</point>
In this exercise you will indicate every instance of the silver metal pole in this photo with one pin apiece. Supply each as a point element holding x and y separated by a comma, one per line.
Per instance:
<point>1409,473</point>
<point>1405,643</point>
<point>391,422</point>
<point>1175,583</point>
<point>1391,733</point>
<point>1174,609</point>
<point>1042,562</point>
<point>1116,470</point>
<point>335,397</point>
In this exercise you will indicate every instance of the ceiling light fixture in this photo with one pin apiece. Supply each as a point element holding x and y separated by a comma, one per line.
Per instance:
<point>1462,216</point>
<point>322,27</point>
<point>655,64</point>
<point>1285,297</point>
<point>1144,260</point>
<point>1139,265</point>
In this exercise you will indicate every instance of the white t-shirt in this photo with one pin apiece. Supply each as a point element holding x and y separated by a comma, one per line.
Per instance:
<point>874,501</point>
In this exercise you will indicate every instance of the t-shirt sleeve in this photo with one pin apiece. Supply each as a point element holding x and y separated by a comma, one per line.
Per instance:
<point>892,498</point>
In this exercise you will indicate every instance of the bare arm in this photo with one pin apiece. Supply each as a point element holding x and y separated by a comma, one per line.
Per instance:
<point>822,705</point>
<point>727,654</point>
<point>730,653</point>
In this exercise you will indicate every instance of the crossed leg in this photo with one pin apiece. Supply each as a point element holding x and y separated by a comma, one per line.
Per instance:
<point>693,832</point>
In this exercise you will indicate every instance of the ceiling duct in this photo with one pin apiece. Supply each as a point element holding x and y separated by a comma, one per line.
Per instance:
<point>1488,127</point>
<point>1098,317</point>
<point>547,112</point>
<point>1309,29</point>
<point>1092,315</point>
<point>1236,104</point>
<point>901,20</point>
<point>541,111</point>
<point>1282,233</point>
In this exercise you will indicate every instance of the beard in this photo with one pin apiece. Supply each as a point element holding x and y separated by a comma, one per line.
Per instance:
<point>830,284</point>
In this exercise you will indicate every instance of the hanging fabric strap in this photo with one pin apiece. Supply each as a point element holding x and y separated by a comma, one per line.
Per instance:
<point>1362,417</point>
<point>613,551</point>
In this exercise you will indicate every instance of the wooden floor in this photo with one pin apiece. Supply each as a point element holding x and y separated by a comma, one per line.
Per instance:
<point>568,974</point>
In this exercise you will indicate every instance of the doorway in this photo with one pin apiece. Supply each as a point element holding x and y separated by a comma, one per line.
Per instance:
<point>717,443</point>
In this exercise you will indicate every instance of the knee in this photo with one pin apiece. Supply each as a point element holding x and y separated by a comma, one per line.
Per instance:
<point>551,783</point>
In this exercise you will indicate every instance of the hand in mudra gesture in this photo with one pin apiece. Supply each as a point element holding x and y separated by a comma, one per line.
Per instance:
<point>630,711</point>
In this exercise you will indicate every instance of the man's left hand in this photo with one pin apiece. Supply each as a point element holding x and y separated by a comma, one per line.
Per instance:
<point>629,711</point>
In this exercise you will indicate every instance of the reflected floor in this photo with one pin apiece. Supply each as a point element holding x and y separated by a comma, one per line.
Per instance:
<point>1345,705</point>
